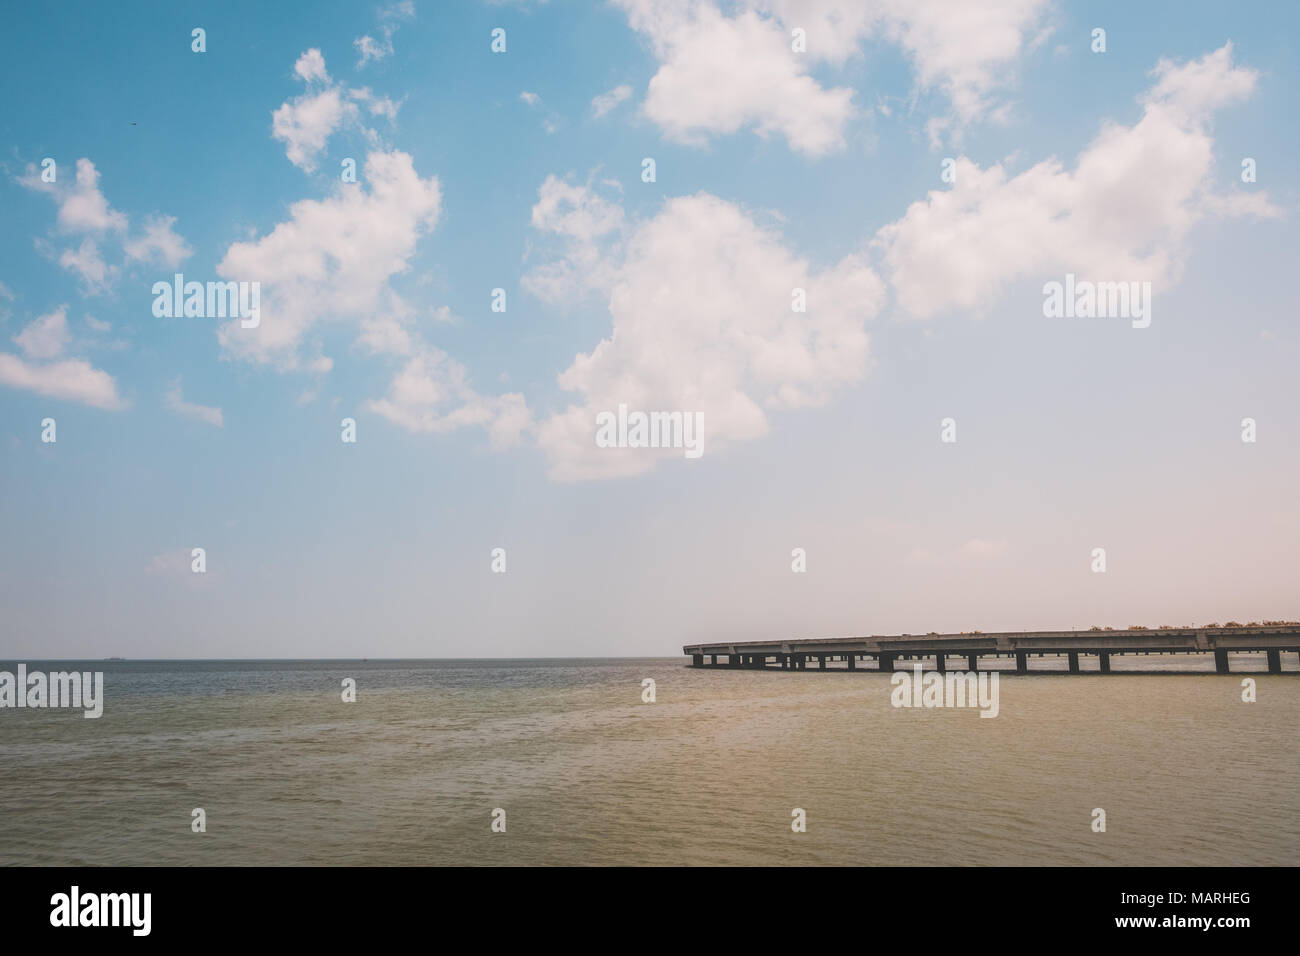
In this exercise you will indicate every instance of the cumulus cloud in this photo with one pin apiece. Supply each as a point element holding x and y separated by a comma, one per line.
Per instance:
<point>332,259</point>
<point>720,72</point>
<point>311,67</point>
<point>47,336</point>
<point>701,302</point>
<point>1122,214</point>
<point>88,262</point>
<point>44,372</point>
<point>431,393</point>
<point>159,244</point>
<point>306,122</point>
<point>83,209</point>
<point>175,402</point>
<point>73,380</point>
<point>583,226</point>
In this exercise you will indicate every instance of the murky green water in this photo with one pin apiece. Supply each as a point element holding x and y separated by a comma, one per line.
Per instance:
<point>588,774</point>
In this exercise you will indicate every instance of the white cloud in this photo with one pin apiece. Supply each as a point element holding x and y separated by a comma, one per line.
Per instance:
<point>719,73</point>
<point>89,264</point>
<point>532,99</point>
<point>606,102</point>
<point>965,50</point>
<point>585,226</point>
<point>306,123</point>
<point>47,336</point>
<point>73,380</point>
<point>332,259</point>
<point>311,67</point>
<point>390,18</point>
<point>6,292</point>
<point>1122,214</point>
<point>200,413</point>
<point>431,393</point>
<point>83,209</point>
<point>160,243</point>
<point>389,333</point>
<point>702,313</point>
<point>377,105</point>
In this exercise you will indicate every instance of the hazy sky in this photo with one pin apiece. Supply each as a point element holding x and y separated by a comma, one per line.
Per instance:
<point>775,169</point>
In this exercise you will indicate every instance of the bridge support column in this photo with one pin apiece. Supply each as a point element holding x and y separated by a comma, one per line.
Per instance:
<point>886,661</point>
<point>1104,659</point>
<point>1021,664</point>
<point>802,661</point>
<point>853,661</point>
<point>821,662</point>
<point>733,660</point>
<point>1073,657</point>
<point>939,664</point>
<point>1274,661</point>
<point>972,662</point>
<point>784,661</point>
<point>697,660</point>
<point>1221,662</point>
<point>713,659</point>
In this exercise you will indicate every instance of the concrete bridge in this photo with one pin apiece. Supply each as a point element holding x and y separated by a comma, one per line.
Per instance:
<point>1271,640</point>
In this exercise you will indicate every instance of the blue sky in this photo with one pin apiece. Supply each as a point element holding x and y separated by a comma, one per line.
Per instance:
<point>774,169</point>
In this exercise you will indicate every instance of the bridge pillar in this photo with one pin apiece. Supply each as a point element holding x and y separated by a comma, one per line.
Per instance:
<point>1104,658</point>
<point>939,661</point>
<point>1021,665</point>
<point>784,661</point>
<point>803,662</point>
<point>697,660</point>
<point>853,661</point>
<point>1221,661</point>
<point>733,660</point>
<point>886,661</point>
<point>1274,661</point>
<point>821,662</point>
<point>972,662</point>
<point>713,659</point>
<point>1073,657</point>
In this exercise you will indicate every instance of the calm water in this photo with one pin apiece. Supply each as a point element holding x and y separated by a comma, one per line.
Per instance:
<point>587,774</point>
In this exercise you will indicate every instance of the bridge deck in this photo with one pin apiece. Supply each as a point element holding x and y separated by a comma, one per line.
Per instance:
<point>885,649</point>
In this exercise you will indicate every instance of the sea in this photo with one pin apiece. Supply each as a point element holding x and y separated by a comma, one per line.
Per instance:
<point>582,762</point>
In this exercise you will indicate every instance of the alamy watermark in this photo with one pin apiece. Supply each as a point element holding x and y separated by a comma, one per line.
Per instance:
<point>1083,299</point>
<point>951,689</point>
<point>75,908</point>
<point>37,689</point>
<point>212,300</point>
<point>626,429</point>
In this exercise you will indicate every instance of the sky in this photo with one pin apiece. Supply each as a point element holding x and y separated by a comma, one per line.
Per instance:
<point>920,447</point>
